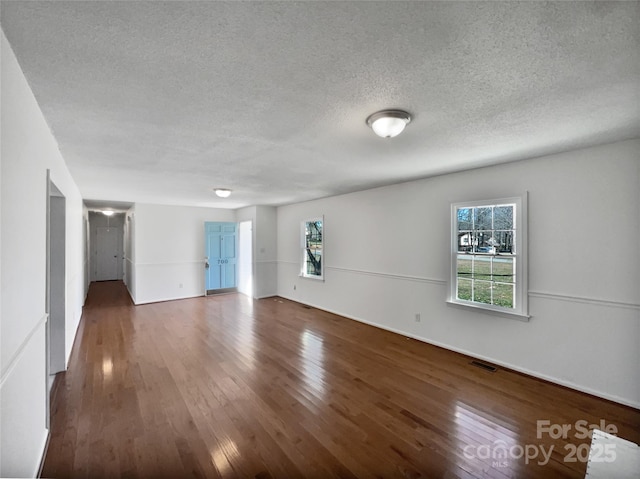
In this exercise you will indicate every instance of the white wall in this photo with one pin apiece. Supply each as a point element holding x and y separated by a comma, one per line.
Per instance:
<point>387,258</point>
<point>266,251</point>
<point>169,250</point>
<point>28,150</point>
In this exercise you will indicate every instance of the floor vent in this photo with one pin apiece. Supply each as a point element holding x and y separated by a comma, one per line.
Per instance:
<point>484,366</point>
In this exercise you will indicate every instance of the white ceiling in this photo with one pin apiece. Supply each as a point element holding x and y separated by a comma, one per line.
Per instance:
<point>162,101</point>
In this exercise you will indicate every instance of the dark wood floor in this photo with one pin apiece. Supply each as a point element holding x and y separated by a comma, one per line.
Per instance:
<point>226,386</point>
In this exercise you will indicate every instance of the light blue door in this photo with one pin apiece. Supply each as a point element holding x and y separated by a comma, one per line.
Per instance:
<point>221,250</point>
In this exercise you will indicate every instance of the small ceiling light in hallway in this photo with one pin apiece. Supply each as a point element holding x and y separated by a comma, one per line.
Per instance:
<point>222,192</point>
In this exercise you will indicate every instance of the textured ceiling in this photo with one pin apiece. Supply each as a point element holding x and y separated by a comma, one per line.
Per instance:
<point>162,101</point>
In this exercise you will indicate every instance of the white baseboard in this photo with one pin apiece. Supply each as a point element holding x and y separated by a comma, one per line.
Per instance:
<point>44,453</point>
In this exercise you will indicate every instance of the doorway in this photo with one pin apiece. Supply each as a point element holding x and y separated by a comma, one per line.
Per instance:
<point>221,252</point>
<point>55,301</point>
<point>106,245</point>
<point>107,252</point>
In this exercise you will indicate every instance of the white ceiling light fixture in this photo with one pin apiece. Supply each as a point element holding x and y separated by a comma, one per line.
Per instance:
<point>388,123</point>
<point>222,192</point>
<point>108,212</point>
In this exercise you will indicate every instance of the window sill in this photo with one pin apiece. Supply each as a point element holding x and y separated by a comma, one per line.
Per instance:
<point>490,311</point>
<point>315,278</point>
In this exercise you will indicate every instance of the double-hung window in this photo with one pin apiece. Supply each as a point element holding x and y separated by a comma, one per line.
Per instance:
<point>312,248</point>
<point>488,260</point>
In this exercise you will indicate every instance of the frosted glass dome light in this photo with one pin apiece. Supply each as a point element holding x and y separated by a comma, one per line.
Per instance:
<point>388,123</point>
<point>222,192</point>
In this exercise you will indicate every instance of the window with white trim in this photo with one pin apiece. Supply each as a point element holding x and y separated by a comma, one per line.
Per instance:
<point>488,260</point>
<point>312,248</point>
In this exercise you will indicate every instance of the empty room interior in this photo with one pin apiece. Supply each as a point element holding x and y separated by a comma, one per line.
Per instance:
<point>281,239</point>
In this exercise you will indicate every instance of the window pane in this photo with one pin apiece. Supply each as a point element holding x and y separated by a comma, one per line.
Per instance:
<point>483,243</point>
<point>314,263</point>
<point>504,241</point>
<point>313,247</point>
<point>503,270</point>
<point>482,218</point>
<point>482,292</point>
<point>464,219</point>
<point>464,289</point>
<point>503,217</point>
<point>465,242</point>
<point>503,295</point>
<point>482,268</point>
<point>464,266</point>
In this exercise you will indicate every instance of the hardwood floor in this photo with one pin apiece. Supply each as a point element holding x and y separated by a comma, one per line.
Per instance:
<point>226,386</point>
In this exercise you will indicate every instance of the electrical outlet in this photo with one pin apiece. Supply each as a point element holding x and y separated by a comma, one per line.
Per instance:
<point>417,317</point>
<point>180,286</point>
<point>294,287</point>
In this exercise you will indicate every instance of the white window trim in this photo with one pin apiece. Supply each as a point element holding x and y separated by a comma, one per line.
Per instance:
<point>521,311</point>
<point>303,252</point>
